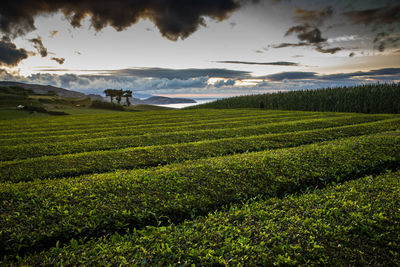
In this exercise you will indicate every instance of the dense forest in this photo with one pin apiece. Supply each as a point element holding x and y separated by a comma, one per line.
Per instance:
<point>371,98</point>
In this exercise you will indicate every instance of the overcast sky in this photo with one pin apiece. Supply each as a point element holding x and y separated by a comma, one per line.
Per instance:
<point>199,48</point>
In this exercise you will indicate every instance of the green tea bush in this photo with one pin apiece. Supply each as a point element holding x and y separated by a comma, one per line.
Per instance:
<point>106,105</point>
<point>351,224</point>
<point>37,149</point>
<point>150,156</point>
<point>37,214</point>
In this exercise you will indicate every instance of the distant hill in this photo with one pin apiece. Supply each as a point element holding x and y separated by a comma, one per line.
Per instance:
<point>44,89</point>
<point>162,100</point>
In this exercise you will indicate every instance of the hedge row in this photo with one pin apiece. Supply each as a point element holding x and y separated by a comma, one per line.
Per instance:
<point>160,121</point>
<point>36,215</point>
<point>130,118</point>
<point>32,150</point>
<point>150,156</point>
<point>140,130</point>
<point>352,224</point>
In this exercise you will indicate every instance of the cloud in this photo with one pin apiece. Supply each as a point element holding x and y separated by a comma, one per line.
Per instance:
<point>10,55</point>
<point>379,16</point>
<point>308,31</point>
<point>386,19</point>
<point>283,45</point>
<point>332,50</point>
<point>278,63</point>
<point>292,75</point>
<point>221,83</point>
<point>59,60</point>
<point>306,34</point>
<point>174,19</point>
<point>177,73</point>
<point>38,44</point>
<point>154,85</point>
<point>314,17</point>
<point>379,74</point>
<point>53,33</point>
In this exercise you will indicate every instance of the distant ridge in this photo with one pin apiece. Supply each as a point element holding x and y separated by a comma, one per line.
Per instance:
<point>44,89</point>
<point>162,100</point>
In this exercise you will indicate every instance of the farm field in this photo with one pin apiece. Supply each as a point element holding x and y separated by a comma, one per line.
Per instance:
<point>202,186</point>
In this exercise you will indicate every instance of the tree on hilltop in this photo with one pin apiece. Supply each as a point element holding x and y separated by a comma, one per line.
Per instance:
<point>110,93</point>
<point>119,94</point>
<point>127,95</point>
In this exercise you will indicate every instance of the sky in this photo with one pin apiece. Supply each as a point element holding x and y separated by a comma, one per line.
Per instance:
<point>199,48</point>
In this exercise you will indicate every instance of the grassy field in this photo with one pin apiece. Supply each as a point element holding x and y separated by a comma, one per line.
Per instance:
<point>204,187</point>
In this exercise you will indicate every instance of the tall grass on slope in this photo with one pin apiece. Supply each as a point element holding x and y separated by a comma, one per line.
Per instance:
<point>36,215</point>
<point>352,224</point>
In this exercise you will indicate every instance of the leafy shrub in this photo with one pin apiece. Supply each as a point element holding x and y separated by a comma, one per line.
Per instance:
<point>50,147</point>
<point>106,105</point>
<point>354,224</point>
<point>37,214</point>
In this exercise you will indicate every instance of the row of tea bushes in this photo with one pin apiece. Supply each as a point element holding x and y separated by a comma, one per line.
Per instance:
<point>102,120</point>
<point>39,214</point>
<point>143,129</point>
<point>150,156</point>
<point>351,224</point>
<point>37,149</point>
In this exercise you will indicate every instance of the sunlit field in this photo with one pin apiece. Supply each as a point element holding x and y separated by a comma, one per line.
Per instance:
<point>209,187</point>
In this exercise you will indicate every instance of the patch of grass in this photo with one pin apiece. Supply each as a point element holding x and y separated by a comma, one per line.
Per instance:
<point>11,114</point>
<point>144,107</point>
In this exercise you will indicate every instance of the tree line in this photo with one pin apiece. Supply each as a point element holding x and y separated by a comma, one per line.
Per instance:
<point>369,98</point>
<point>118,94</point>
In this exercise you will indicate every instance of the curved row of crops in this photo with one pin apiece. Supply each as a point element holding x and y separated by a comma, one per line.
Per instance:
<point>182,165</point>
<point>342,224</point>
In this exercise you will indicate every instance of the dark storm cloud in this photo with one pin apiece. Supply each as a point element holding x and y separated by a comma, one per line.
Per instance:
<point>386,19</point>
<point>10,55</point>
<point>38,44</point>
<point>308,32</point>
<point>174,18</point>
<point>59,60</point>
<point>278,63</point>
<point>383,15</point>
<point>178,73</point>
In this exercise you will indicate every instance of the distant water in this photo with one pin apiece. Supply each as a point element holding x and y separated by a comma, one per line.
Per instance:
<point>198,100</point>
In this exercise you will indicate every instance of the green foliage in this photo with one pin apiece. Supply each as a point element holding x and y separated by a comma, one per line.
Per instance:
<point>199,163</point>
<point>118,126</point>
<point>25,150</point>
<point>106,105</point>
<point>149,156</point>
<point>371,98</point>
<point>355,223</point>
<point>37,214</point>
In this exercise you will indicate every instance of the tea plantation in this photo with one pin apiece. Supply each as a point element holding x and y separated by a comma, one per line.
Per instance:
<point>201,186</point>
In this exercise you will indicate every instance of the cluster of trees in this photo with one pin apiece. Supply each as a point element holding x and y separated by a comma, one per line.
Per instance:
<point>118,94</point>
<point>370,98</point>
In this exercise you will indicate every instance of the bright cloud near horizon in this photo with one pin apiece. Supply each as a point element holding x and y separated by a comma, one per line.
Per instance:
<point>199,48</point>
